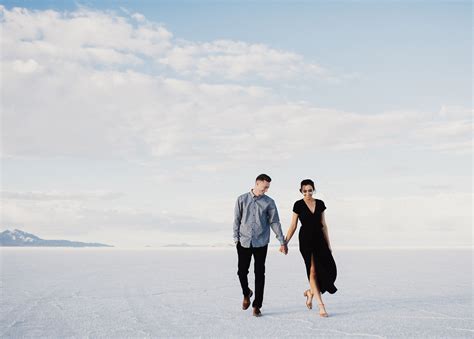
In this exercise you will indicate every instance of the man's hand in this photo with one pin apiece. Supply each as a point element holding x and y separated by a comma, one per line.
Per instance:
<point>284,249</point>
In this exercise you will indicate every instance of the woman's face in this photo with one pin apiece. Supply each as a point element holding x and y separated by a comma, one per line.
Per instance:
<point>307,191</point>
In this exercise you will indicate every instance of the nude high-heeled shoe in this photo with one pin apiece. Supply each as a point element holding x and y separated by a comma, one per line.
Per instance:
<point>309,299</point>
<point>322,314</point>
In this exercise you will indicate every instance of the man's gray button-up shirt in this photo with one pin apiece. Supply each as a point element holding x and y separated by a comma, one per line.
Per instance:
<point>253,218</point>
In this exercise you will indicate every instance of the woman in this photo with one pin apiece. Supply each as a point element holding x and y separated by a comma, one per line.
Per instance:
<point>314,245</point>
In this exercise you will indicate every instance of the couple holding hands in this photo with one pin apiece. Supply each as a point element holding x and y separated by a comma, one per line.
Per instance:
<point>255,213</point>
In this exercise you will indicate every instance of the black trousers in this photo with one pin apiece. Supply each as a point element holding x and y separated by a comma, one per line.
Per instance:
<point>259,257</point>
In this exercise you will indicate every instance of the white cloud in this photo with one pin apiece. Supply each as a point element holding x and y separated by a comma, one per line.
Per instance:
<point>82,104</point>
<point>432,219</point>
<point>25,66</point>
<point>139,17</point>
<point>82,36</point>
<point>450,130</point>
<point>237,60</point>
<point>98,38</point>
<point>135,115</point>
<point>56,195</point>
<point>75,108</point>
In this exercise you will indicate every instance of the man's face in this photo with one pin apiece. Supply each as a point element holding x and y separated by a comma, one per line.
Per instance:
<point>261,187</point>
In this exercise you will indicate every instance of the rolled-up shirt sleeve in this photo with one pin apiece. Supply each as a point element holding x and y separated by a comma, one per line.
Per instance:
<point>274,221</point>
<point>237,220</point>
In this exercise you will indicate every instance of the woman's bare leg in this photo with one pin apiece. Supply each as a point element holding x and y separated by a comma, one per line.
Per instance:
<point>313,282</point>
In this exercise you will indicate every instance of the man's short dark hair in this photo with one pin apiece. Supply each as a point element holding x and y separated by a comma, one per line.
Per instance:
<point>263,177</point>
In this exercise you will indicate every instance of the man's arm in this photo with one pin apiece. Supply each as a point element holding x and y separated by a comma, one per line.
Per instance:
<point>237,220</point>
<point>274,221</point>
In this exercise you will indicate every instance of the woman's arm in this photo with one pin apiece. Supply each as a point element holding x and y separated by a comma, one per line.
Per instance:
<point>325,230</point>
<point>292,229</point>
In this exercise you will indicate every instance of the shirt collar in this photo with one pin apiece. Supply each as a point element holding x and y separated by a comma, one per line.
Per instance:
<point>254,196</point>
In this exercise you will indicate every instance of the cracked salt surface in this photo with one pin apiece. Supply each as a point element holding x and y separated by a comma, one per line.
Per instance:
<point>190,292</point>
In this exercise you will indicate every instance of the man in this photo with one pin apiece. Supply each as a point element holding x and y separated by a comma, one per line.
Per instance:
<point>254,215</point>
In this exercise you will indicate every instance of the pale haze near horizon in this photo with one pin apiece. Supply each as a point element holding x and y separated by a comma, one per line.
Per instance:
<point>133,125</point>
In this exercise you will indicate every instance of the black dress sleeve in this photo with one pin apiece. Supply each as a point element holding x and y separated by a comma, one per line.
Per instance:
<point>323,206</point>
<point>296,208</point>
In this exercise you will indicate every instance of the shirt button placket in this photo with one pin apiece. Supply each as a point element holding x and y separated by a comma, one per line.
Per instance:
<point>254,218</point>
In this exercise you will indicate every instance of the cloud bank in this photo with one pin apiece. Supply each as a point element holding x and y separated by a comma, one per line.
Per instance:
<point>95,84</point>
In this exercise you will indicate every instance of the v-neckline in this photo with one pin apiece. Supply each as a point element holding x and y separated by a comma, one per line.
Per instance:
<point>309,209</point>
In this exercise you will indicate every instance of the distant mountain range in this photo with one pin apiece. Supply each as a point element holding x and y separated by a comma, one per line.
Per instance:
<point>17,238</point>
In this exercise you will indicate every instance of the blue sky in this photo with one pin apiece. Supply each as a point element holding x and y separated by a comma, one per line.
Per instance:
<point>145,133</point>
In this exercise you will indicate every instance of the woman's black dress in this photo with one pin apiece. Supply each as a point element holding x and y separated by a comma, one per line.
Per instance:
<point>313,242</point>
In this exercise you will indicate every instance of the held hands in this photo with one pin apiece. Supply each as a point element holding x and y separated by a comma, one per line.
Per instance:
<point>284,247</point>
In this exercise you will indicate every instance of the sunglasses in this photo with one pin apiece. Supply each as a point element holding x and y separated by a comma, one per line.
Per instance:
<point>307,191</point>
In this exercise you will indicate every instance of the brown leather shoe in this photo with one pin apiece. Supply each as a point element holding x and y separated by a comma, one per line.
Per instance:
<point>256,312</point>
<point>246,301</point>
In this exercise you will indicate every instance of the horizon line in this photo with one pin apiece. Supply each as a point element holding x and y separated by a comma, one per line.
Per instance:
<point>165,247</point>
